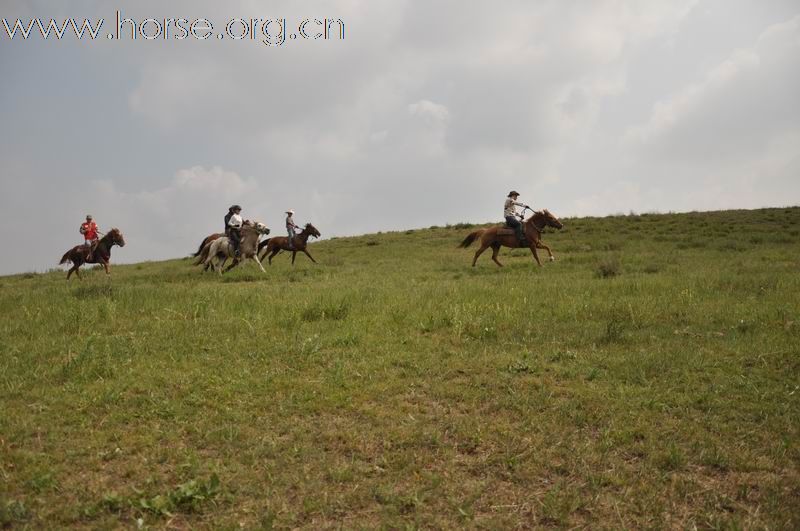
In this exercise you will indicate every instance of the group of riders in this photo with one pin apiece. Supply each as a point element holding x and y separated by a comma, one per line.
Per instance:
<point>233,228</point>
<point>234,222</point>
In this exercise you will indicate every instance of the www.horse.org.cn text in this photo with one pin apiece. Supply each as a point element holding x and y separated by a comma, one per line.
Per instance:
<point>267,31</point>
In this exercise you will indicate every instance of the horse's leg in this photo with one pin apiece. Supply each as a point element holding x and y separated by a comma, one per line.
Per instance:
<point>535,254</point>
<point>233,264</point>
<point>294,253</point>
<point>540,245</point>
<point>274,252</point>
<point>495,252</point>
<point>478,253</point>
<point>105,266</point>
<point>308,255</point>
<point>215,265</point>
<point>259,264</point>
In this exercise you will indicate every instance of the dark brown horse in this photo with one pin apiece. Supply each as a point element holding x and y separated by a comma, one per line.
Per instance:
<point>495,237</point>
<point>101,254</point>
<point>281,243</point>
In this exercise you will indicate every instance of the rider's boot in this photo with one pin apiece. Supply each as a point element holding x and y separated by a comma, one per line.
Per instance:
<point>521,236</point>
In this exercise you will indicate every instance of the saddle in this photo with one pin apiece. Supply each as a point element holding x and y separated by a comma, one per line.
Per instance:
<point>505,230</point>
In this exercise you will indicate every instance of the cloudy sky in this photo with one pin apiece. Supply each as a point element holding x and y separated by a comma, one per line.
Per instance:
<point>427,112</point>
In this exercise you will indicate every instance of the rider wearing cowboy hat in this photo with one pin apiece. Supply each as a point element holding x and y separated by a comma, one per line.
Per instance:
<point>233,224</point>
<point>510,213</point>
<point>290,227</point>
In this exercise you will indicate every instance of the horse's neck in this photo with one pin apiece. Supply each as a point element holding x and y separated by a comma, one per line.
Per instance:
<point>536,222</point>
<point>303,236</point>
<point>104,246</point>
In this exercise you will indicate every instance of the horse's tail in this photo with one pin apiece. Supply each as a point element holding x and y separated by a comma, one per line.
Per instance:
<point>470,239</point>
<point>66,258</point>
<point>200,249</point>
<point>202,254</point>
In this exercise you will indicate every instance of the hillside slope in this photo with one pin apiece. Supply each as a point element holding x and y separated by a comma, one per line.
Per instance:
<point>650,377</point>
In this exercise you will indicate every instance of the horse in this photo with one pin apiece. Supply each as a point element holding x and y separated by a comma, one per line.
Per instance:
<point>208,239</point>
<point>281,243</point>
<point>495,237</point>
<point>101,255</point>
<point>221,248</point>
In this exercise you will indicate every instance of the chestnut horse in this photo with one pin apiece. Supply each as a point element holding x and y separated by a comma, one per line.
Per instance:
<point>495,237</point>
<point>101,255</point>
<point>281,243</point>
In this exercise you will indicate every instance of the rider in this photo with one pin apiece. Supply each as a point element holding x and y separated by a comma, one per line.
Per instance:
<point>290,227</point>
<point>510,213</point>
<point>89,231</point>
<point>233,226</point>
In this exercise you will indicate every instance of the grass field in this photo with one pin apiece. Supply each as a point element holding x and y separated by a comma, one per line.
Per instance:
<point>649,378</point>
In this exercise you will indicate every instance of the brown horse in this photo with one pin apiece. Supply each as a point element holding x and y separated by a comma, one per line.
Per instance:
<point>281,243</point>
<point>101,255</point>
<point>495,237</point>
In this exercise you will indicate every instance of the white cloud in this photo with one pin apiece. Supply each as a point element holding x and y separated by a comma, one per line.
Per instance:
<point>740,105</point>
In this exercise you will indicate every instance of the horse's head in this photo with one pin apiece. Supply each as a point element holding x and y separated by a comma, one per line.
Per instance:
<point>261,228</point>
<point>551,220</point>
<point>312,230</point>
<point>116,237</point>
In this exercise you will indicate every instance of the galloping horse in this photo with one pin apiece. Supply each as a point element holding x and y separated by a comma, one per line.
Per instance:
<point>281,243</point>
<point>208,239</point>
<point>101,255</point>
<point>221,248</point>
<point>495,237</point>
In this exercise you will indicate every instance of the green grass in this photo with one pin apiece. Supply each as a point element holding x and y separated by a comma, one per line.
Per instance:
<point>649,378</point>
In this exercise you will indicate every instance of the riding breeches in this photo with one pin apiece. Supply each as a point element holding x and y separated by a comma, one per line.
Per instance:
<point>236,238</point>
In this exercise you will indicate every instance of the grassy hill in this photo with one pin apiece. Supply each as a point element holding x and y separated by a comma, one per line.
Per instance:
<point>650,377</point>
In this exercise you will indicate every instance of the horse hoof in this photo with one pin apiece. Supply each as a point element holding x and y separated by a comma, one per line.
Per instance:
<point>552,258</point>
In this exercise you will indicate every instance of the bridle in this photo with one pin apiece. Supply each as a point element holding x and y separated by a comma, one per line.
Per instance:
<point>541,230</point>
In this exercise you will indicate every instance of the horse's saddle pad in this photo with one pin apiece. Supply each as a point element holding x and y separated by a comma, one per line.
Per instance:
<point>505,230</point>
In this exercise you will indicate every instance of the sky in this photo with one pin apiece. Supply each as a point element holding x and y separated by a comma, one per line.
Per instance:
<point>424,113</point>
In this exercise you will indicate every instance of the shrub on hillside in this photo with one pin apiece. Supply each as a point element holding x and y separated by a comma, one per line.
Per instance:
<point>608,268</point>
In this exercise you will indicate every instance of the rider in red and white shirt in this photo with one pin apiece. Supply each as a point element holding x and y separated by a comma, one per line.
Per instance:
<point>89,231</point>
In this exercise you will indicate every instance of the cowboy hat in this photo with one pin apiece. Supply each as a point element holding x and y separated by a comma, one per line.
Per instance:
<point>513,192</point>
<point>290,211</point>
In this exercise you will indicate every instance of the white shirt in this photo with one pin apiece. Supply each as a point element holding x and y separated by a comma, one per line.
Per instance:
<point>509,209</point>
<point>235,221</point>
